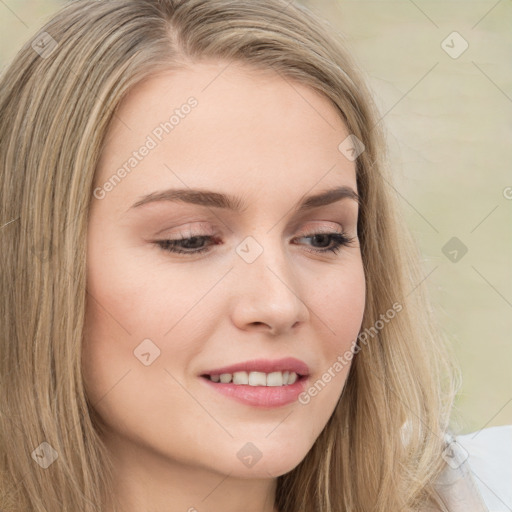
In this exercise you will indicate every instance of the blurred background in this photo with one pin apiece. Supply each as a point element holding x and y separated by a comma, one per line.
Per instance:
<point>441,75</point>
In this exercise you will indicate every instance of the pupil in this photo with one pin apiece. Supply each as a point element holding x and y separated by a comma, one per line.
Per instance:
<point>320,236</point>
<point>191,241</point>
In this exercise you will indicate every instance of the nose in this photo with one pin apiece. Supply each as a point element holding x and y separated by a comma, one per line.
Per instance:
<point>267,296</point>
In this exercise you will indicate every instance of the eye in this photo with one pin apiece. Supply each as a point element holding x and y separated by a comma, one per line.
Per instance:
<point>195,245</point>
<point>338,240</point>
<point>184,245</point>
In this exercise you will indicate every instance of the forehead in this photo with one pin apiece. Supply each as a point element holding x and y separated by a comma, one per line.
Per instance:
<point>247,128</point>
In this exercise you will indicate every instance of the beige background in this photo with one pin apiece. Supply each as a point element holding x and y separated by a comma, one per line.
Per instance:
<point>449,124</point>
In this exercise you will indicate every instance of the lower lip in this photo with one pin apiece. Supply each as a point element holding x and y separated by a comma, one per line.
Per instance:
<point>261,396</point>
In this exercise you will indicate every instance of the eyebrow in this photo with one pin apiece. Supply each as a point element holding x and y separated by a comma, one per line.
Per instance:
<point>213,199</point>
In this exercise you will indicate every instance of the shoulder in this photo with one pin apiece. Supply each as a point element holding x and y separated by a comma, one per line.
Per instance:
<point>488,456</point>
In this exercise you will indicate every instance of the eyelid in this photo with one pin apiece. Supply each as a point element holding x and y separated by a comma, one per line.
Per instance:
<point>346,228</point>
<point>190,229</point>
<point>204,228</point>
<point>322,227</point>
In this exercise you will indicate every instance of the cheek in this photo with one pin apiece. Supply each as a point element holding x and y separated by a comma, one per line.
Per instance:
<point>116,320</point>
<point>129,300</point>
<point>337,305</point>
<point>338,300</point>
<point>127,295</point>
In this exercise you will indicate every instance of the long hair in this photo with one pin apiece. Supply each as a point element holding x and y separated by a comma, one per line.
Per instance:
<point>381,448</point>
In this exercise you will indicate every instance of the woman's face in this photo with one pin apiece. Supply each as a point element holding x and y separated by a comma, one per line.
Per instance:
<point>157,321</point>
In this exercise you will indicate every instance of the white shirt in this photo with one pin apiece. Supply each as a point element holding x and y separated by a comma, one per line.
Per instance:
<point>488,453</point>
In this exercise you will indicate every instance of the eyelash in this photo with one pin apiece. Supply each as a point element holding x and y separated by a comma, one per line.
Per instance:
<point>340,240</point>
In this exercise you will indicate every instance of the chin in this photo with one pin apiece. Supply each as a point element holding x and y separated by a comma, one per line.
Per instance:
<point>272,464</point>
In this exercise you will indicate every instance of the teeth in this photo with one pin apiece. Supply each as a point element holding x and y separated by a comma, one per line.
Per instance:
<point>272,379</point>
<point>240,378</point>
<point>275,379</point>
<point>254,379</point>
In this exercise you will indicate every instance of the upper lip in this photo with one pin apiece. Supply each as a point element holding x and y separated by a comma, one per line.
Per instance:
<point>290,364</point>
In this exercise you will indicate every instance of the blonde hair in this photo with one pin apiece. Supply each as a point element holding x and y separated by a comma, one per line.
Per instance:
<point>381,448</point>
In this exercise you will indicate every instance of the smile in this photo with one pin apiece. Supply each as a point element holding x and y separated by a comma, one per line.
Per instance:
<point>256,378</point>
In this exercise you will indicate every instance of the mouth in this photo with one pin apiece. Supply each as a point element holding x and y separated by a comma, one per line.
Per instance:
<point>263,383</point>
<point>257,389</point>
<point>260,372</point>
<point>243,378</point>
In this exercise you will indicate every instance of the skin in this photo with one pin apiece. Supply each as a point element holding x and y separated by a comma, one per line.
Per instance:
<point>270,141</point>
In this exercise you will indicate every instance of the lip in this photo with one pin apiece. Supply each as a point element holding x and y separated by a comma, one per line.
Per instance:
<point>260,396</point>
<point>290,364</point>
